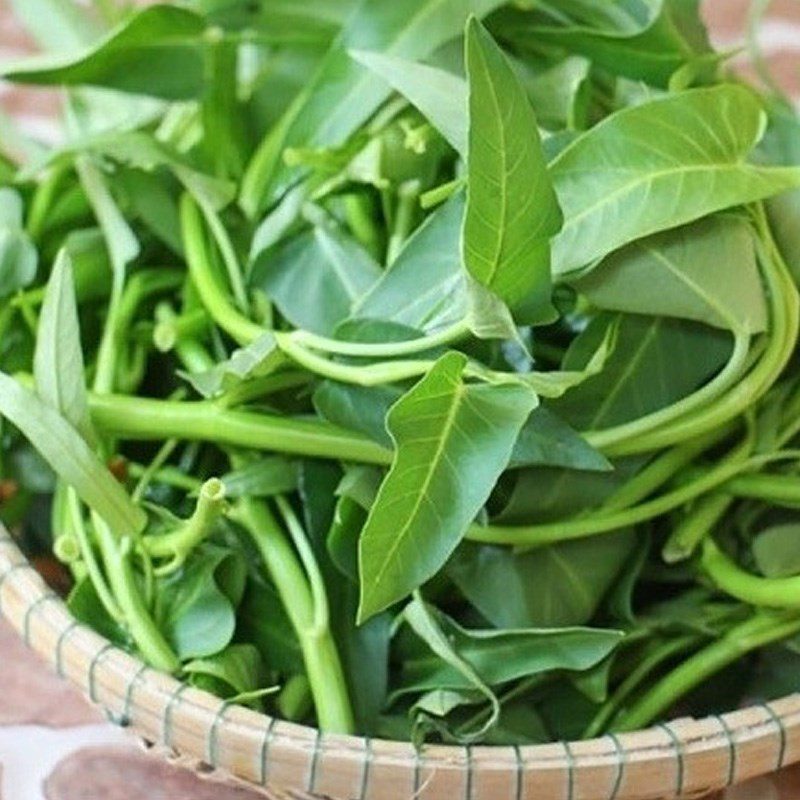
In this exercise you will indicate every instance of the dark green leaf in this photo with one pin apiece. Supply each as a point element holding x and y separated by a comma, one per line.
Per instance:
<point>316,278</point>
<point>545,440</point>
<point>197,605</point>
<point>497,656</point>
<point>424,287</point>
<point>550,587</point>
<point>655,362</point>
<point>705,271</point>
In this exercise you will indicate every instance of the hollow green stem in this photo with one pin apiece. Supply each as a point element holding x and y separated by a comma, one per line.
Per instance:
<point>383,350</point>
<point>580,527</point>
<point>760,630</point>
<point>122,580</point>
<point>201,270</point>
<point>177,544</point>
<point>752,589</point>
<point>783,490</point>
<point>321,659</point>
<point>664,652</point>
<point>139,418</point>
<point>168,475</point>
<point>663,468</point>
<point>629,432</point>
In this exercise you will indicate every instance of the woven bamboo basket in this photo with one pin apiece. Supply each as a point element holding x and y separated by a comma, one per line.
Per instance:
<point>684,758</point>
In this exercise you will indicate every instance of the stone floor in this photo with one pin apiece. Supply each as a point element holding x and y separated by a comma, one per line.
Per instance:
<point>53,746</point>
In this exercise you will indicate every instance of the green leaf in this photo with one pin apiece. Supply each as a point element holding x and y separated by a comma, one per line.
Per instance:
<point>777,550</point>
<point>440,96</point>
<point>546,440</point>
<point>549,587</point>
<point>655,362</point>
<point>435,630</point>
<point>123,246</point>
<point>425,287</point>
<point>18,257</point>
<point>452,442</point>
<point>647,40</point>
<point>196,606</point>
<point>283,22</point>
<point>264,477</point>
<point>657,166</point>
<point>262,620</point>
<point>512,210</point>
<point>258,358</point>
<point>358,408</point>
<point>316,278</point>
<point>496,656</point>
<point>705,271</point>
<point>238,668</point>
<point>157,51</point>
<point>58,360</point>
<point>343,94</point>
<point>70,457</point>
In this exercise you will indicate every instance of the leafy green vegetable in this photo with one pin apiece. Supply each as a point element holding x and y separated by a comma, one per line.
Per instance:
<point>442,429</point>
<point>511,208</point>
<point>615,186</point>
<point>421,370</point>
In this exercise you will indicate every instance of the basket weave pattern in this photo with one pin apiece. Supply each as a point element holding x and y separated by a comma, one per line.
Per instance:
<point>683,758</point>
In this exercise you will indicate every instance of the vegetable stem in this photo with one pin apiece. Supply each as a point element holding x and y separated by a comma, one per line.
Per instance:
<point>320,656</point>
<point>761,629</point>
<point>138,418</point>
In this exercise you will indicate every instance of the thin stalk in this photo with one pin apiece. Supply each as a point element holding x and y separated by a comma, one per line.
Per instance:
<point>93,569</point>
<point>383,350</point>
<point>122,579</point>
<point>634,679</point>
<point>784,322</point>
<point>581,527</point>
<point>144,419</point>
<point>321,659</point>
<point>783,490</point>
<point>752,589</point>
<point>628,432</point>
<point>663,468</point>
<point>205,281</point>
<point>369,375</point>
<point>760,630</point>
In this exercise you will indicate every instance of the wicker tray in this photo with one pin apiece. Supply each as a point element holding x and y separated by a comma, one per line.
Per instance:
<point>686,757</point>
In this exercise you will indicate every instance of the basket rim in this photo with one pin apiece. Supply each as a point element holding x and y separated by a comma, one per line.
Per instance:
<point>685,756</point>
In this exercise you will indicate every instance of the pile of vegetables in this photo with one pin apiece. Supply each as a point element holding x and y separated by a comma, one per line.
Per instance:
<point>418,369</point>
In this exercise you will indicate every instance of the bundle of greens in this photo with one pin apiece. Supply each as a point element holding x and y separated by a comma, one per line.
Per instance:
<point>420,369</point>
